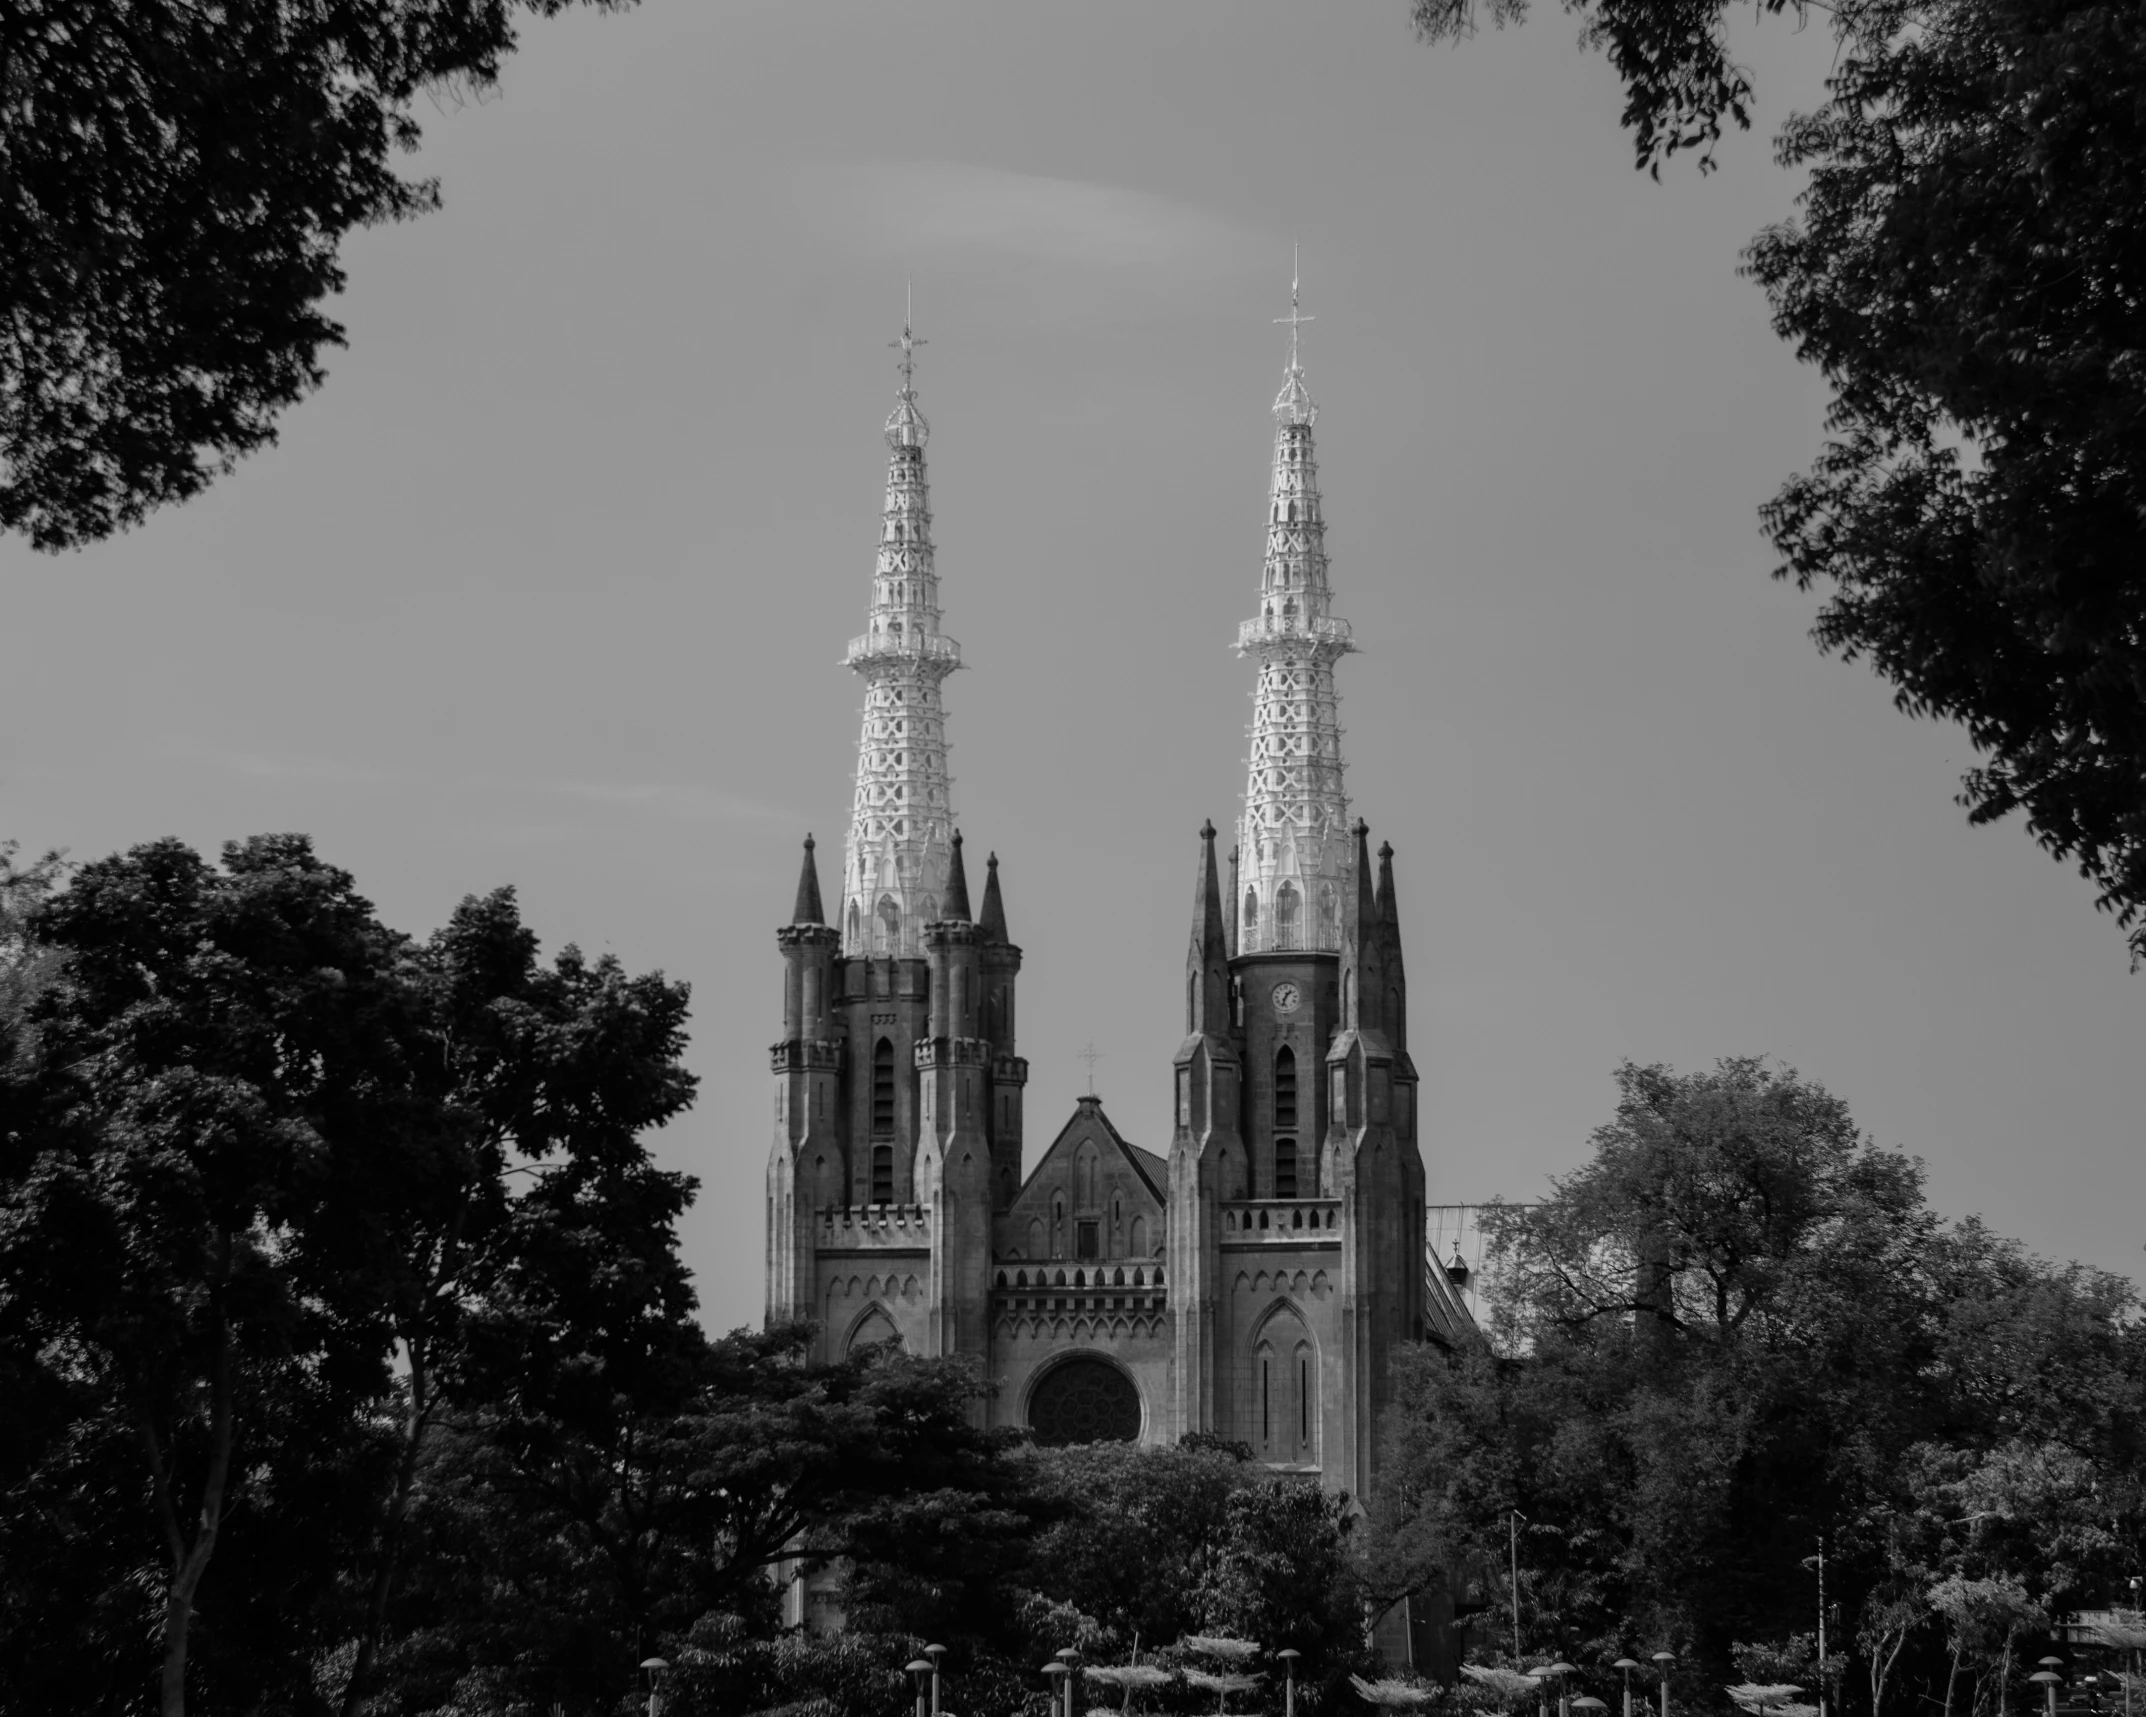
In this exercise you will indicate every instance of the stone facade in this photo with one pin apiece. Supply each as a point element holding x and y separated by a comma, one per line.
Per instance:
<point>1254,1277</point>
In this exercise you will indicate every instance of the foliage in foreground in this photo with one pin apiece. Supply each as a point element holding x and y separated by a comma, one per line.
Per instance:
<point>1969,272</point>
<point>1738,1328</point>
<point>179,182</point>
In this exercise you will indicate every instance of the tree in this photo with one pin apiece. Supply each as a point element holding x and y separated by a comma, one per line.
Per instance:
<point>1735,1327</point>
<point>615,1503</point>
<point>178,182</point>
<point>552,1076</point>
<point>1673,56</point>
<point>1969,273</point>
<point>1123,1530</point>
<point>192,1179</point>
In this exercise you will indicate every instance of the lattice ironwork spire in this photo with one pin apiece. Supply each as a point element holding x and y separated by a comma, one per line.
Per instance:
<point>1294,832</point>
<point>896,858</point>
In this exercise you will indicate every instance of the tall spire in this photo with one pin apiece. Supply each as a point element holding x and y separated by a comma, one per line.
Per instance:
<point>896,858</point>
<point>1294,833</point>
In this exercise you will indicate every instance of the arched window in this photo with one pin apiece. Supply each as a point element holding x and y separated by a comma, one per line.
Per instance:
<point>1251,915</point>
<point>1285,1169</point>
<point>890,925</point>
<point>1138,1244</point>
<point>883,1087</point>
<point>1285,1089</point>
<point>1286,901</point>
<point>882,1174</point>
<point>856,929</point>
<point>1329,917</point>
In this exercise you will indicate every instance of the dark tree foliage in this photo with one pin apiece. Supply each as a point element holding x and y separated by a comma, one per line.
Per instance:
<point>176,181</point>
<point>1970,273</point>
<point>192,1179</point>
<point>1737,1327</point>
<point>1673,56</point>
<point>257,1149</point>
<point>570,1528</point>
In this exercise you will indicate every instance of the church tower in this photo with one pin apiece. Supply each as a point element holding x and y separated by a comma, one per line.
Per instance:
<point>898,1089</point>
<point>1296,1177</point>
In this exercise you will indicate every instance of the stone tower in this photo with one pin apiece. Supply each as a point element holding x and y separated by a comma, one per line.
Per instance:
<point>1252,1283</point>
<point>898,1092</point>
<point>1296,1176</point>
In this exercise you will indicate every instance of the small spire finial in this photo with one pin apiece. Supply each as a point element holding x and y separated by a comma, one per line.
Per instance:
<point>909,342</point>
<point>1296,318</point>
<point>1091,1055</point>
<point>1293,405</point>
<point>907,428</point>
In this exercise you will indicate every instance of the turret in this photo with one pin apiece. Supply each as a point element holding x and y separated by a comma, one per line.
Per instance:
<point>806,1166</point>
<point>1207,1149</point>
<point>1000,962</point>
<point>1371,1160</point>
<point>953,1160</point>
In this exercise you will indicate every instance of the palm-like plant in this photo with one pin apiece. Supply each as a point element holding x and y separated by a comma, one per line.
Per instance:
<point>1128,1678</point>
<point>1225,1681</point>
<point>1392,1695</point>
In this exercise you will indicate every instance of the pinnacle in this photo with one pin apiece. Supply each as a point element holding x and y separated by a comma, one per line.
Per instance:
<point>808,909</point>
<point>956,904</point>
<point>993,922</point>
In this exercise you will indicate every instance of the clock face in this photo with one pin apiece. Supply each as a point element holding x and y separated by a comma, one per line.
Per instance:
<point>1287,998</point>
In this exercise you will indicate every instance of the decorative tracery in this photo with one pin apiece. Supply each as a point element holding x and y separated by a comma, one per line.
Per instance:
<point>901,820</point>
<point>1294,833</point>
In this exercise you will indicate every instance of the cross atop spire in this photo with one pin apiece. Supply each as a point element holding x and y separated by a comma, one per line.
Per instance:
<point>1296,318</point>
<point>1294,403</point>
<point>906,427</point>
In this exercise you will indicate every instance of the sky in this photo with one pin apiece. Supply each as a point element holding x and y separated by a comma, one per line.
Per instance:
<point>549,584</point>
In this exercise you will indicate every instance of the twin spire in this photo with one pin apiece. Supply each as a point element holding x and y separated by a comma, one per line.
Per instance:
<point>901,862</point>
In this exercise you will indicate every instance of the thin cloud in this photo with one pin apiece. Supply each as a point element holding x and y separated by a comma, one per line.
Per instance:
<point>259,766</point>
<point>1057,237</point>
<point>680,801</point>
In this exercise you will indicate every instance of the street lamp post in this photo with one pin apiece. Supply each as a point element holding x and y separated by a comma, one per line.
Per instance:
<point>1289,1656</point>
<point>1662,1661</point>
<point>920,1668</point>
<point>1071,1659</point>
<point>1514,1525</point>
<point>1561,1670</point>
<point>2049,1679</point>
<point>653,1668</point>
<point>935,1653</point>
<point>1060,1699</point>
<point>1627,1665</point>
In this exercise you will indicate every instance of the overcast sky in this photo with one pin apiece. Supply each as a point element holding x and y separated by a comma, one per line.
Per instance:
<point>550,583</point>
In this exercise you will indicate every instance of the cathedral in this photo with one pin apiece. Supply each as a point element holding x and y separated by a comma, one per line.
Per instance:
<point>1252,1277</point>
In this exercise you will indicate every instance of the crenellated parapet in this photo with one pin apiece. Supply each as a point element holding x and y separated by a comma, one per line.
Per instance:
<point>874,1227</point>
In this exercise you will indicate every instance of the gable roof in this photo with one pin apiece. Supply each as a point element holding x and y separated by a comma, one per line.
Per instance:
<point>1154,1173</point>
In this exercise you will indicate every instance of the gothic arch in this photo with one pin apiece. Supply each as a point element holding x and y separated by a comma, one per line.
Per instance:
<point>874,1323</point>
<point>1285,1383</point>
